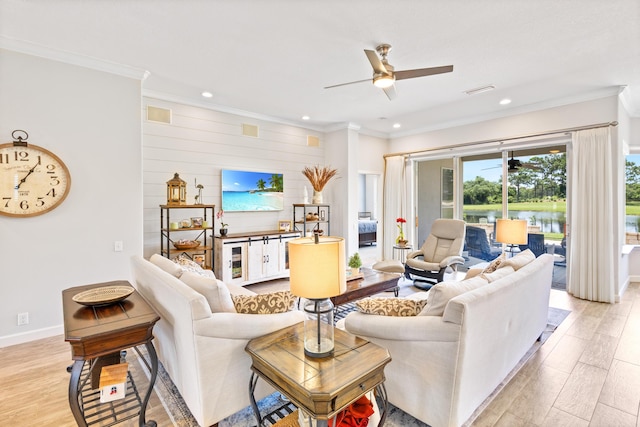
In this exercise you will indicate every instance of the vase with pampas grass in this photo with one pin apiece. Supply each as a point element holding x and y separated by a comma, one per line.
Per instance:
<point>318,177</point>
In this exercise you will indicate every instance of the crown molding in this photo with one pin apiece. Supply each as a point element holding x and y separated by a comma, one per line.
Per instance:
<point>545,105</point>
<point>163,96</point>
<point>67,57</point>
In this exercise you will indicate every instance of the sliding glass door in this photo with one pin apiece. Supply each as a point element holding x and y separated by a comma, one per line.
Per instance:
<point>482,206</point>
<point>534,183</point>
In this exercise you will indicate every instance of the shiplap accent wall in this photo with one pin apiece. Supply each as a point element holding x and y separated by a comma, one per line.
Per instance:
<point>199,143</point>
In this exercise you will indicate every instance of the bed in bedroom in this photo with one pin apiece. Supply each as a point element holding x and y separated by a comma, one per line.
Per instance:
<point>367,229</point>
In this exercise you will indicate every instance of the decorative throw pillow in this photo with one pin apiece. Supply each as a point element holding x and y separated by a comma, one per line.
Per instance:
<point>498,274</point>
<point>215,291</point>
<point>276,302</point>
<point>189,265</point>
<point>440,294</point>
<point>473,272</point>
<point>390,306</point>
<point>495,264</point>
<point>520,260</point>
<point>166,264</point>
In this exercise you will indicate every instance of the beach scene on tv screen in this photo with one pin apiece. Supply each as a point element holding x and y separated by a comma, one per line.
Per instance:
<point>252,191</point>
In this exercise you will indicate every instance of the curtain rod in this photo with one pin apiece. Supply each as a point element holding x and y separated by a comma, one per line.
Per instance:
<point>487,141</point>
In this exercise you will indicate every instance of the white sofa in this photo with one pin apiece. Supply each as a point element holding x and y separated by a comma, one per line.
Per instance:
<point>444,367</point>
<point>203,352</point>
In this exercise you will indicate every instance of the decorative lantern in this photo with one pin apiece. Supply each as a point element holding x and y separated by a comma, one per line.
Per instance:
<point>176,191</point>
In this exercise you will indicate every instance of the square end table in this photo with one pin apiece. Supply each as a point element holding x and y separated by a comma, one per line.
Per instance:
<point>321,387</point>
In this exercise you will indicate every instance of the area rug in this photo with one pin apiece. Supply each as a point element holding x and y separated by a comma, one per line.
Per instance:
<point>276,407</point>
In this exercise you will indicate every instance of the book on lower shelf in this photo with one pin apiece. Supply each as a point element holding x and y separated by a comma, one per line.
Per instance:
<point>113,382</point>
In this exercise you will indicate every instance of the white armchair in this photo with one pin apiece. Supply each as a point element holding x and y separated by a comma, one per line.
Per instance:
<point>441,250</point>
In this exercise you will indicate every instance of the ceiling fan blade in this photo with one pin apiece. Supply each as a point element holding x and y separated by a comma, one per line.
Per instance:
<point>375,61</point>
<point>531,166</point>
<point>422,72</point>
<point>390,92</point>
<point>350,83</point>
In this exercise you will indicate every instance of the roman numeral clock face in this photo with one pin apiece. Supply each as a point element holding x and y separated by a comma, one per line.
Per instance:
<point>33,180</point>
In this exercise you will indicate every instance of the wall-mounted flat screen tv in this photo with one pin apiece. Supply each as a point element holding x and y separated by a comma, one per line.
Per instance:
<point>252,191</point>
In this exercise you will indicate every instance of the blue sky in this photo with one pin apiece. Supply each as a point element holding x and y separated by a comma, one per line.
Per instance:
<point>233,180</point>
<point>475,168</point>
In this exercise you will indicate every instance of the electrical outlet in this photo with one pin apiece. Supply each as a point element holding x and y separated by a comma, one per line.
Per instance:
<point>23,319</point>
<point>118,246</point>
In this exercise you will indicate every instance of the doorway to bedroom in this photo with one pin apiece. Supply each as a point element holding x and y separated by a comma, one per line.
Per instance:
<point>369,216</point>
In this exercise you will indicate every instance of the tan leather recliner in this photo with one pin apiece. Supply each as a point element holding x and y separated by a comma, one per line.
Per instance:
<point>441,250</point>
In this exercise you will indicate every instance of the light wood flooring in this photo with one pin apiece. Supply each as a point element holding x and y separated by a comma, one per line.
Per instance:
<point>586,374</point>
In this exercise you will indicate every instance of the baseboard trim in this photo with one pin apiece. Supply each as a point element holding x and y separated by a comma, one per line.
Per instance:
<point>29,336</point>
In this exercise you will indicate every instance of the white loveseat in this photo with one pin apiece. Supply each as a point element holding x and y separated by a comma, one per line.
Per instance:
<point>444,367</point>
<point>203,352</point>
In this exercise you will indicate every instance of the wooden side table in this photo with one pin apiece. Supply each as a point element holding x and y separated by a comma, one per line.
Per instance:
<point>100,332</point>
<point>320,387</point>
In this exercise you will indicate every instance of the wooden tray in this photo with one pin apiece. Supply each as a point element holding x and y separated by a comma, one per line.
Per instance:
<point>189,245</point>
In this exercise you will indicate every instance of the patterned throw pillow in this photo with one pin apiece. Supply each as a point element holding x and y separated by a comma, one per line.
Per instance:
<point>189,265</point>
<point>390,306</point>
<point>276,302</point>
<point>495,264</point>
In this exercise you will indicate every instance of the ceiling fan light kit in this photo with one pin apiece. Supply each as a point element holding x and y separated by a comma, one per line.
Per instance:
<point>383,81</point>
<point>384,74</point>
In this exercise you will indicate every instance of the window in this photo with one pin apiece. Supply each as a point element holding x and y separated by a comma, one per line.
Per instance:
<point>632,222</point>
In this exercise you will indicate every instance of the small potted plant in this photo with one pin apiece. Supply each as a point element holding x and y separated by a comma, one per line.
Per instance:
<point>223,226</point>
<point>355,263</point>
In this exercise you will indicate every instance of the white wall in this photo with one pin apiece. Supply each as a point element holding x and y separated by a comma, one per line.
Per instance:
<point>200,142</point>
<point>579,114</point>
<point>91,120</point>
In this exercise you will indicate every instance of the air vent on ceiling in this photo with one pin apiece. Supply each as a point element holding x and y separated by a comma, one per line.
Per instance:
<point>479,90</point>
<point>250,130</point>
<point>313,141</point>
<point>157,114</point>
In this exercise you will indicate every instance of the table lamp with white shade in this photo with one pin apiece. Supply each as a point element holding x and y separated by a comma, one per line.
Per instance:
<point>317,272</point>
<point>513,232</point>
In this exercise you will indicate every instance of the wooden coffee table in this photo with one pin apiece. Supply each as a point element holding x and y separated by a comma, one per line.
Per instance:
<point>321,387</point>
<point>372,282</point>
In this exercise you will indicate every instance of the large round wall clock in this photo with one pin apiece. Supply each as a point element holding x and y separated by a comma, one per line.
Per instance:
<point>33,180</point>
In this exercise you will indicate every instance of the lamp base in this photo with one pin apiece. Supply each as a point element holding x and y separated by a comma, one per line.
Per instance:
<point>512,249</point>
<point>318,328</point>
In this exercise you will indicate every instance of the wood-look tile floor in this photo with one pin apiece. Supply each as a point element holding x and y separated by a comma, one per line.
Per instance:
<point>586,374</point>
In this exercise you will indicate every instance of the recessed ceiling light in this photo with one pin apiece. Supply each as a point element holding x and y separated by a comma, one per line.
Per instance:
<point>207,94</point>
<point>396,125</point>
<point>479,90</point>
<point>505,101</point>
<point>305,117</point>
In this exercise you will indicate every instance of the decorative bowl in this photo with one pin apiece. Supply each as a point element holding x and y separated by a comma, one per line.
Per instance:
<point>186,244</point>
<point>103,296</point>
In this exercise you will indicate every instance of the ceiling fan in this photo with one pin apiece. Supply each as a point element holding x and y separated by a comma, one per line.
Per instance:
<point>515,164</point>
<point>384,74</point>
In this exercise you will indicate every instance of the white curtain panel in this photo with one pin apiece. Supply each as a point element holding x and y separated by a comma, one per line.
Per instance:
<point>394,196</point>
<point>592,246</point>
